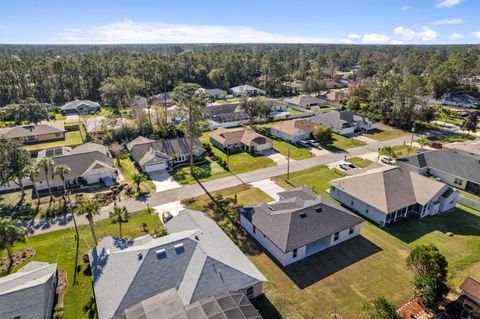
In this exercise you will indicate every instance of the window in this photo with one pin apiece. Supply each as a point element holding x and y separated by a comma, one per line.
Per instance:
<point>333,188</point>
<point>254,229</point>
<point>351,202</point>
<point>458,181</point>
<point>351,230</point>
<point>57,134</point>
<point>249,291</point>
<point>335,236</point>
<point>294,255</point>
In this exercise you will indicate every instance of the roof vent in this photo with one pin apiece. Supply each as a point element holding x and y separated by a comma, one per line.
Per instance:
<point>179,249</point>
<point>197,238</point>
<point>303,215</point>
<point>318,209</point>
<point>108,252</point>
<point>161,253</point>
<point>271,208</point>
<point>140,256</point>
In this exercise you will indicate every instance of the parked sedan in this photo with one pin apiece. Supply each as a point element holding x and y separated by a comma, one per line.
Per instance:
<point>388,160</point>
<point>314,143</point>
<point>346,166</point>
<point>302,143</point>
<point>166,216</point>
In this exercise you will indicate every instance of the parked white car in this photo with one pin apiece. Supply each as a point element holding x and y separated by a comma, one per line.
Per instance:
<point>388,160</point>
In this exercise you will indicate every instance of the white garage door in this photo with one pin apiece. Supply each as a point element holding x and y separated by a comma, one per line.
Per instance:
<point>155,166</point>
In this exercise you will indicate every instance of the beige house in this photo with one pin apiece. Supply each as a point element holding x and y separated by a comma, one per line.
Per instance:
<point>240,139</point>
<point>32,133</point>
<point>294,130</point>
<point>304,101</point>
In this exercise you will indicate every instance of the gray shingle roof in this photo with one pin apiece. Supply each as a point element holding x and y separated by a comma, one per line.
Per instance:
<point>335,119</point>
<point>299,218</point>
<point>208,263</point>
<point>32,130</point>
<point>25,292</point>
<point>447,161</point>
<point>168,305</point>
<point>73,105</point>
<point>228,112</point>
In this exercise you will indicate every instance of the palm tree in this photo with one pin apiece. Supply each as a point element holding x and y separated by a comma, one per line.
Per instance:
<point>11,230</point>
<point>119,215</point>
<point>32,171</point>
<point>62,171</point>
<point>423,142</point>
<point>47,165</point>
<point>89,208</point>
<point>138,179</point>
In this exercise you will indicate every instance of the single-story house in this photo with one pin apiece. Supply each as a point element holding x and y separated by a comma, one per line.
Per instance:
<point>469,299</point>
<point>304,102</point>
<point>389,194</point>
<point>89,164</point>
<point>80,107</point>
<point>240,139</point>
<point>343,123</point>
<point>469,148</point>
<point>33,133</point>
<point>225,115</point>
<point>30,292</point>
<point>197,259</point>
<point>336,95</point>
<point>154,155</point>
<point>169,305</point>
<point>216,94</point>
<point>299,225</point>
<point>450,166</point>
<point>293,130</point>
<point>295,85</point>
<point>96,126</point>
<point>165,98</point>
<point>246,90</point>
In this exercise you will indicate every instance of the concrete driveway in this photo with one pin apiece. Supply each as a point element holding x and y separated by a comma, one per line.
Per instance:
<point>269,187</point>
<point>173,207</point>
<point>163,181</point>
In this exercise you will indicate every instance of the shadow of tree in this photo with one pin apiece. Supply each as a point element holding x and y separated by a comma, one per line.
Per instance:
<point>266,308</point>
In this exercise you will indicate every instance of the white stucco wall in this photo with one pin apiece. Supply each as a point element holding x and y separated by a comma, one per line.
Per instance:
<point>344,235</point>
<point>286,137</point>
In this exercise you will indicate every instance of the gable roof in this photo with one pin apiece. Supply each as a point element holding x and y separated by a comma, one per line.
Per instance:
<point>471,286</point>
<point>389,188</point>
<point>447,161</point>
<point>138,102</point>
<point>138,141</point>
<point>25,292</point>
<point>166,149</point>
<point>212,92</point>
<point>168,305</point>
<point>32,130</point>
<point>470,147</point>
<point>73,105</point>
<point>241,89</point>
<point>335,119</point>
<point>295,126</point>
<point>100,123</point>
<point>198,260</point>
<point>228,112</point>
<point>236,136</point>
<point>300,217</point>
<point>303,100</point>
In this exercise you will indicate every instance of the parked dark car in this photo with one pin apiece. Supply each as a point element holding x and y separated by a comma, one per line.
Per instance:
<point>437,145</point>
<point>166,216</point>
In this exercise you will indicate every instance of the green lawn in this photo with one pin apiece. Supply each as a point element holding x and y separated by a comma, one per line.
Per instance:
<point>128,169</point>
<point>404,150</point>
<point>296,153</point>
<point>203,172</point>
<point>58,116</point>
<point>293,111</point>
<point>359,162</point>
<point>385,132</point>
<point>59,247</point>
<point>240,162</point>
<point>316,178</point>
<point>452,138</point>
<point>451,119</point>
<point>339,143</point>
<point>469,195</point>
<point>71,139</point>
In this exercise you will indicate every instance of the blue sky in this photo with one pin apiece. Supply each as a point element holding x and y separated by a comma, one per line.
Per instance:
<point>292,21</point>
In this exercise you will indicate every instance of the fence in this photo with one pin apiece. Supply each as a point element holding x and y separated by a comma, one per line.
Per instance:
<point>469,202</point>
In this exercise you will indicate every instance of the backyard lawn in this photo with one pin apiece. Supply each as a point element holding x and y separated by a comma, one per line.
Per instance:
<point>59,247</point>
<point>203,172</point>
<point>316,178</point>
<point>359,162</point>
<point>296,153</point>
<point>385,132</point>
<point>404,150</point>
<point>71,139</point>
<point>452,138</point>
<point>340,143</point>
<point>128,169</point>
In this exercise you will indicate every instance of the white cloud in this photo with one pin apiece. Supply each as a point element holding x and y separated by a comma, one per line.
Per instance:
<point>447,21</point>
<point>346,41</point>
<point>476,34</point>
<point>407,34</point>
<point>405,8</point>
<point>353,36</point>
<point>375,38</point>
<point>456,36</point>
<point>128,31</point>
<point>397,42</point>
<point>447,3</point>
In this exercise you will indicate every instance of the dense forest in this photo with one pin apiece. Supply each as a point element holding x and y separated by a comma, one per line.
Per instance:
<point>386,74</point>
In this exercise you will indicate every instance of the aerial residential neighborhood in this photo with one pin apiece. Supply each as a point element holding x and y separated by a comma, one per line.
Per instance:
<point>221,160</point>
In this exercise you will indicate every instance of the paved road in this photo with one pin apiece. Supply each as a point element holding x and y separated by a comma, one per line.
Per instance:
<point>193,190</point>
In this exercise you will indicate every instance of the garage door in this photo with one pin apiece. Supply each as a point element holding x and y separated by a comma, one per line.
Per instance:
<point>155,166</point>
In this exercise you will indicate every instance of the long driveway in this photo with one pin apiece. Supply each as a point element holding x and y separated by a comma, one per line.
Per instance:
<point>193,190</point>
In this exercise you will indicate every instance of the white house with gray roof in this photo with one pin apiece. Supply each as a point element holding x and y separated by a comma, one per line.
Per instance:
<point>30,292</point>
<point>80,107</point>
<point>246,90</point>
<point>299,225</point>
<point>389,194</point>
<point>196,258</point>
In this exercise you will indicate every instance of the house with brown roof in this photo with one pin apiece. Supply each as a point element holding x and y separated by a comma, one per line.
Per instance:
<point>33,133</point>
<point>470,298</point>
<point>389,194</point>
<point>293,130</point>
<point>240,139</point>
<point>304,101</point>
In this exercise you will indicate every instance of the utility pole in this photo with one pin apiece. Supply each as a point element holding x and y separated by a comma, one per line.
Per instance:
<point>288,164</point>
<point>413,135</point>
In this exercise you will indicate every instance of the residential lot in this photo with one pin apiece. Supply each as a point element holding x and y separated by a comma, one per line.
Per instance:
<point>71,139</point>
<point>128,169</point>
<point>296,153</point>
<point>340,143</point>
<point>385,132</point>
<point>203,172</point>
<point>359,162</point>
<point>59,247</point>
